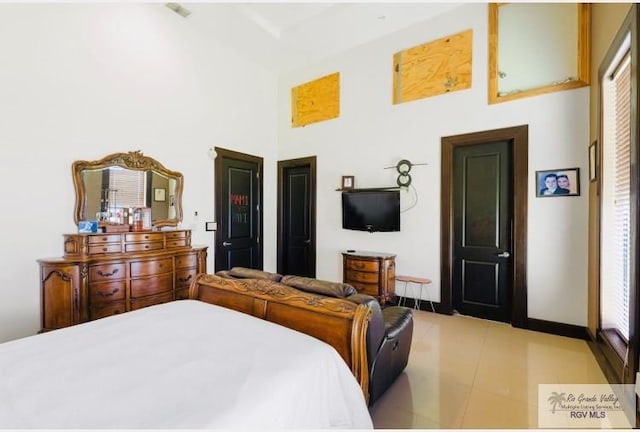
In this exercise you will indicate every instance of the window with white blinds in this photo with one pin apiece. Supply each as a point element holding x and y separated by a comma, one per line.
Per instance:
<point>615,230</point>
<point>126,188</point>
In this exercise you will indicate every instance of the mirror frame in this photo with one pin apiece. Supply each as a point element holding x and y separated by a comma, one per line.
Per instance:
<point>132,160</point>
<point>583,57</point>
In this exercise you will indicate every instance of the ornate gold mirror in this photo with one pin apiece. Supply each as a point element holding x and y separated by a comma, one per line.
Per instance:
<point>537,48</point>
<point>110,189</point>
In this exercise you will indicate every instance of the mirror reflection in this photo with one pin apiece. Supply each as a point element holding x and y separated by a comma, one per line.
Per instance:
<point>123,188</point>
<point>114,192</point>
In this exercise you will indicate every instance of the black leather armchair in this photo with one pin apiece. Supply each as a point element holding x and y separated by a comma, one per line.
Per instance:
<point>388,343</point>
<point>388,335</point>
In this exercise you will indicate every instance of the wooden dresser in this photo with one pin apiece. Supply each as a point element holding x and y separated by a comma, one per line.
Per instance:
<point>107,274</point>
<point>371,273</point>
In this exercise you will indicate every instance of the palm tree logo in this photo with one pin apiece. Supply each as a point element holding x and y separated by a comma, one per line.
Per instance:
<point>555,399</point>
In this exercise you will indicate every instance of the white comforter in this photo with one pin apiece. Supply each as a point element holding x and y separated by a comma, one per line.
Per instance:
<point>184,364</point>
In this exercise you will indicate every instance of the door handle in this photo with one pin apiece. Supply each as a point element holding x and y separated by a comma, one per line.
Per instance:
<point>226,243</point>
<point>307,241</point>
<point>504,254</point>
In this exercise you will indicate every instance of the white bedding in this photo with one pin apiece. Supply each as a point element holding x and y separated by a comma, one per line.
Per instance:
<point>183,364</point>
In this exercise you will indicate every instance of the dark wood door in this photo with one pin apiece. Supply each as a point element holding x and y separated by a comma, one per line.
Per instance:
<point>238,188</point>
<point>482,229</point>
<point>296,221</point>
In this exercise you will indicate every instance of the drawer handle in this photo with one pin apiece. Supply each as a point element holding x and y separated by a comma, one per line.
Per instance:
<point>105,239</point>
<point>146,237</point>
<point>104,249</point>
<point>108,294</point>
<point>146,246</point>
<point>101,273</point>
<point>358,265</point>
<point>161,265</point>
<point>185,279</point>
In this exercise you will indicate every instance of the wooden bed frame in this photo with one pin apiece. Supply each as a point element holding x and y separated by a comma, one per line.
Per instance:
<point>340,323</point>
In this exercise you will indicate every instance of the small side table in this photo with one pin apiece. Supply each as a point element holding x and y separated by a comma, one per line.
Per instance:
<point>419,284</point>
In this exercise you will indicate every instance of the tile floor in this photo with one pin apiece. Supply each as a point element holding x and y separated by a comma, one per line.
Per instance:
<point>467,373</point>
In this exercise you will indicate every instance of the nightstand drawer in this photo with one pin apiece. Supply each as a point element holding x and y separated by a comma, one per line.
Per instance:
<point>368,289</point>
<point>367,266</point>
<point>358,276</point>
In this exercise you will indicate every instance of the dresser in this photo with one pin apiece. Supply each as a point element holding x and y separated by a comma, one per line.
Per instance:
<point>371,273</point>
<point>107,274</point>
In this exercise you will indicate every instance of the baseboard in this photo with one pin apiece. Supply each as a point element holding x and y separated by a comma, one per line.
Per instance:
<point>424,305</point>
<point>559,329</point>
<point>551,327</point>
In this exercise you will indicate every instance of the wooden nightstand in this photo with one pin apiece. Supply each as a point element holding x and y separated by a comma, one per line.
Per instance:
<point>371,273</point>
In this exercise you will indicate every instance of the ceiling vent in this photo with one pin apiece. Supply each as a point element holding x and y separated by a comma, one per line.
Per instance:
<point>179,9</point>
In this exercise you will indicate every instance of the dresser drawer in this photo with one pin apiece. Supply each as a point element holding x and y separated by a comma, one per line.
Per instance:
<point>107,309</point>
<point>184,261</point>
<point>138,247</point>
<point>359,276</point>
<point>182,294</point>
<point>151,267</point>
<point>107,272</point>
<point>151,285</point>
<point>367,266</point>
<point>143,237</point>
<point>108,291</point>
<point>172,235</point>
<point>364,288</point>
<point>176,243</point>
<point>101,239</point>
<point>105,248</point>
<point>185,277</point>
<point>151,300</point>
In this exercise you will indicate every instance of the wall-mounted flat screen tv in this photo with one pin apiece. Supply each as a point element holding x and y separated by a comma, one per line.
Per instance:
<point>371,210</point>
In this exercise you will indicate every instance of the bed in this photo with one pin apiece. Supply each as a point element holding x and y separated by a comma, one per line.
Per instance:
<point>184,364</point>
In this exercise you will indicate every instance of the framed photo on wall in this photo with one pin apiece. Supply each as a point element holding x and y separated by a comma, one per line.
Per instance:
<point>348,182</point>
<point>159,194</point>
<point>558,182</point>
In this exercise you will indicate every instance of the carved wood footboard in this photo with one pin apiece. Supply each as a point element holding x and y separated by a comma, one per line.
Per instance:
<point>340,323</point>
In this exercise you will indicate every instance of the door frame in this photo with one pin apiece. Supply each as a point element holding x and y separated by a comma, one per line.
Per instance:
<point>309,161</point>
<point>518,136</point>
<point>221,154</point>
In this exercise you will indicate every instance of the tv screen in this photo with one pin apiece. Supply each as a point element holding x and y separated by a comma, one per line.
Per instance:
<point>371,210</point>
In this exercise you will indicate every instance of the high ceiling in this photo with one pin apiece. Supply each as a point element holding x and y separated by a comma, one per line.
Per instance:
<point>286,35</point>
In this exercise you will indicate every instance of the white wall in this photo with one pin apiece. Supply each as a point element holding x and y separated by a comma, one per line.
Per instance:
<point>372,133</point>
<point>80,81</point>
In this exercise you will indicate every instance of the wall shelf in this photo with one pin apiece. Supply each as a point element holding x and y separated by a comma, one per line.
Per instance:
<point>368,189</point>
